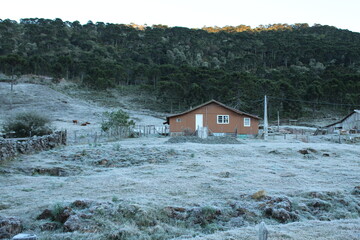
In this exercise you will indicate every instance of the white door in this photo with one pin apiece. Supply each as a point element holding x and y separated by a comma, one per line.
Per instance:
<point>198,121</point>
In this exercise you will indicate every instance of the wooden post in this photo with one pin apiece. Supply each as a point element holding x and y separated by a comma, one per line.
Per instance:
<point>263,232</point>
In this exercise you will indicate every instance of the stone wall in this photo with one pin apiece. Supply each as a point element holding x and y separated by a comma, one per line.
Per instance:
<point>11,147</point>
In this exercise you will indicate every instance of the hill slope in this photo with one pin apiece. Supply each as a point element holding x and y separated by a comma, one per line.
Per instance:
<point>299,66</point>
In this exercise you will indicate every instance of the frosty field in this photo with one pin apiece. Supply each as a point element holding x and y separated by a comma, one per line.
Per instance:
<point>153,174</point>
<point>150,188</point>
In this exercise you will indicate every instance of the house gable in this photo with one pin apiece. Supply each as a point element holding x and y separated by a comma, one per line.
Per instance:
<point>218,117</point>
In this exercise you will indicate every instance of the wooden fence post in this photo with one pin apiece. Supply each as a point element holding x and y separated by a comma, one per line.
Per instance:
<point>263,232</point>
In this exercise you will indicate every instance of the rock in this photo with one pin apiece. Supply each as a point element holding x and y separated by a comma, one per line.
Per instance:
<point>49,226</point>
<point>280,202</point>
<point>4,234</point>
<point>356,190</point>
<point>318,204</point>
<point>73,223</point>
<point>303,151</point>
<point>9,226</point>
<point>103,162</point>
<point>281,215</point>
<point>81,204</point>
<point>10,148</point>
<point>46,214</point>
<point>280,208</point>
<point>303,207</point>
<point>63,217</point>
<point>24,236</point>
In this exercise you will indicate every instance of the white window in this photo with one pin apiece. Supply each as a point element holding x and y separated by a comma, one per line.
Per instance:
<point>178,120</point>
<point>223,119</point>
<point>247,122</point>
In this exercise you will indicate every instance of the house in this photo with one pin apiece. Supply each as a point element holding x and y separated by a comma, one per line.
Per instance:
<point>351,123</point>
<point>218,118</point>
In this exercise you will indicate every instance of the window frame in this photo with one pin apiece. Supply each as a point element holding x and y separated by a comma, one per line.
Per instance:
<point>247,124</point>
<point>223,117</point>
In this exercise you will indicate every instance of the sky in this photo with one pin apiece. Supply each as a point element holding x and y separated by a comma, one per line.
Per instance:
<point>342,14</point>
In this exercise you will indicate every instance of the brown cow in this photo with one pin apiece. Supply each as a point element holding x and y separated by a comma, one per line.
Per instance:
<point>75,121</point>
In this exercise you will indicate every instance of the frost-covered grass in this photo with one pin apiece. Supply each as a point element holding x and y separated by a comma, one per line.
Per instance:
<point>302,187</point>
<point>210,186</point>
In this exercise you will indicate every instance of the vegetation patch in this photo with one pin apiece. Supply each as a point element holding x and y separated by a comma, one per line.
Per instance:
<point>123,157</point>
<point>121,220</point>
<point>27,124</point>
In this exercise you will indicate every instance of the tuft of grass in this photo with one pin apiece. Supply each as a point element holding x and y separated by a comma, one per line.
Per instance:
<point>116,147</point>
<point>259,195</point>
<point>57,211</point>
<point>84,152</point>
<point>27,190</point>
<point>115,199</point>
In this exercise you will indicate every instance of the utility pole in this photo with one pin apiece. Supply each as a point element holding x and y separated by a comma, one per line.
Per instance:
<point>266,125</point>
<point>278,122</point>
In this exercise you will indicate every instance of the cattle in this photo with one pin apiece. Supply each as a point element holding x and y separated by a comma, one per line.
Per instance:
<point>75,121</point>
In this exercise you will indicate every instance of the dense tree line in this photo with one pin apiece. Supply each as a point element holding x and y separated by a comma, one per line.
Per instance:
<point>294,64</point>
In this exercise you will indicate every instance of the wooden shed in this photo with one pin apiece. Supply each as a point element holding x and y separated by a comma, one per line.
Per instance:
<point>351,123</point>
<point>218,118</point>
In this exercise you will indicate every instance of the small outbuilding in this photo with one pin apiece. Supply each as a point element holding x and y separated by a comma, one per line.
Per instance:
<point>350,124</point>
<point>216,117</point>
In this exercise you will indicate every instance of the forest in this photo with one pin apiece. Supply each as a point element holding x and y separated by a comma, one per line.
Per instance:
<point>303,69</point>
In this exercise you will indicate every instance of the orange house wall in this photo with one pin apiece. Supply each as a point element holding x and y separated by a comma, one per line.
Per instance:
<point>210,112</point>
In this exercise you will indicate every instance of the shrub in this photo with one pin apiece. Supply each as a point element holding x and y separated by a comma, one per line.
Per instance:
<point>27,124</point>
<point>116,119</point>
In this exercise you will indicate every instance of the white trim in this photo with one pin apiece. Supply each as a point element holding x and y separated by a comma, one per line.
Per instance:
<point>247,122</point>
<point>224,119</point>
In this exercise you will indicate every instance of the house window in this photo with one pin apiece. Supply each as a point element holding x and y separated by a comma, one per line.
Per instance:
<point>247,122</point>
<point>223,119</point>
<point>178,120</point>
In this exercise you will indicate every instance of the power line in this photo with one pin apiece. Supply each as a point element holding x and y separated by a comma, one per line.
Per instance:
<point>314,102</point>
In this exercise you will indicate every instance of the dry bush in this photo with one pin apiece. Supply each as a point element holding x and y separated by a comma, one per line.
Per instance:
<point>27,124</point>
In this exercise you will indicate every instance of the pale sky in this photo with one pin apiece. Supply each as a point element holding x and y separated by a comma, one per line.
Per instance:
<point>344,14</point>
